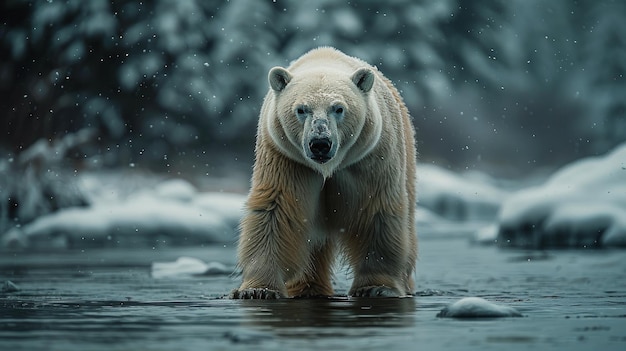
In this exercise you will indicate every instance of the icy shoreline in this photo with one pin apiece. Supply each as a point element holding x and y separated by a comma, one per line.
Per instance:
<point>581,206</point>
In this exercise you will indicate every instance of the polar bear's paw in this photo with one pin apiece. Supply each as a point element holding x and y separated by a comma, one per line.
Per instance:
<point>256,294</point>
<point>375,291</point>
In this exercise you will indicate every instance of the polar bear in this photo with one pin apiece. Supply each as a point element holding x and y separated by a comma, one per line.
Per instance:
<point>334,173</point>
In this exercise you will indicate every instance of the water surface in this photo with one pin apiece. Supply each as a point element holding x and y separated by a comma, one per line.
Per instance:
<point>107,300</point>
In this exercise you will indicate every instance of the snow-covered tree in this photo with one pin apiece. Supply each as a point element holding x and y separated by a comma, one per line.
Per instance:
<point>168,77</point>
<point>167,72</point>
<point>40,180</point>
<point>603,27</point>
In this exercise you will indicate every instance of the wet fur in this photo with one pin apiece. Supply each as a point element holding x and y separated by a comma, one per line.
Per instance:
<point>299,218</point>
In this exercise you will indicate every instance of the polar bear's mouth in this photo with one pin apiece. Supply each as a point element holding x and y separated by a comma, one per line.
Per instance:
<point>320,150</point>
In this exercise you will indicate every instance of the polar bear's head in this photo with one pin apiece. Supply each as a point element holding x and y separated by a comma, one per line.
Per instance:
<point>321,112</point>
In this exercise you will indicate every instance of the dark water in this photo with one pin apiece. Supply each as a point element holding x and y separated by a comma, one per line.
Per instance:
<point>107,300</point>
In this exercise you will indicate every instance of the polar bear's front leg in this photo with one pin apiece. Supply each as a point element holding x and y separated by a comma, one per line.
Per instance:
<point>273,245</point>
<point>378,250</point>
<point>316,281</point>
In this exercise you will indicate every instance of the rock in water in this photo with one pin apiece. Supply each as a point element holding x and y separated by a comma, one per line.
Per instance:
<point>476,307</point>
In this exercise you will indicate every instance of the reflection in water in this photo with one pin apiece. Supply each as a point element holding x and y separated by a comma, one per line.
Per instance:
<point>208,322</point>
<point>337,315</point>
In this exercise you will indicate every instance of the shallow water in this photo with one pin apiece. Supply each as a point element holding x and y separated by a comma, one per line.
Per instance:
<point>107,300</point>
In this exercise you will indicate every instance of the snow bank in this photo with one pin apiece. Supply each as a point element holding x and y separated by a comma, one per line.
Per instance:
<point>582,205</point>
<point>229,207</point>
<point>172,213</point>
<point>476,307</point>
<point>470,196</point>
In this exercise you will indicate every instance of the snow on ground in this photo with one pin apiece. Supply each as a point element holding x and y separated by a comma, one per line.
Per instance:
<point>476,307</point>
<point>582,205</point>
<point>456,205</point>
<point>459,197</point>
<point>172,213</point>
<point>135,209</point>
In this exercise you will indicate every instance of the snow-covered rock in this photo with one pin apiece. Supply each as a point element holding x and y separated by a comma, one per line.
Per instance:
<point>476,307</point>
<point>461,197</point>
<point>582,205</point>
<point>172,213</point>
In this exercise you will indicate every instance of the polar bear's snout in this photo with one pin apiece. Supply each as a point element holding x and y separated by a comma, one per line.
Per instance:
<point>319,147</point>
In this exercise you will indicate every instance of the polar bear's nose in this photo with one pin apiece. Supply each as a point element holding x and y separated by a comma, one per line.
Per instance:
<point>319,127</point>
<point>320,147</point>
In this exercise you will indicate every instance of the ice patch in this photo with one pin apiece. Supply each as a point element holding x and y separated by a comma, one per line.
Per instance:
<point>186,267</point>
<point>476,307</point>
<point>582,205</point>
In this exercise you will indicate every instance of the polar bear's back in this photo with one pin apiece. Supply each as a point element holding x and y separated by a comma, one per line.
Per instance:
<point>327,58</point>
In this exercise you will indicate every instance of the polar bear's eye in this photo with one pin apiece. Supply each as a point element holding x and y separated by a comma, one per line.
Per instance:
<point>301,112</point>
<point>337,111</point>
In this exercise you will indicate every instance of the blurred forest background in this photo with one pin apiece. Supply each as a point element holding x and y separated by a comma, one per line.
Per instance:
<point>512,88</point>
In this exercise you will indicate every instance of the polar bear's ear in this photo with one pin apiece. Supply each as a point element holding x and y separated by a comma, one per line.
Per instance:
<point>279,77</point>
<point>363,78</point>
